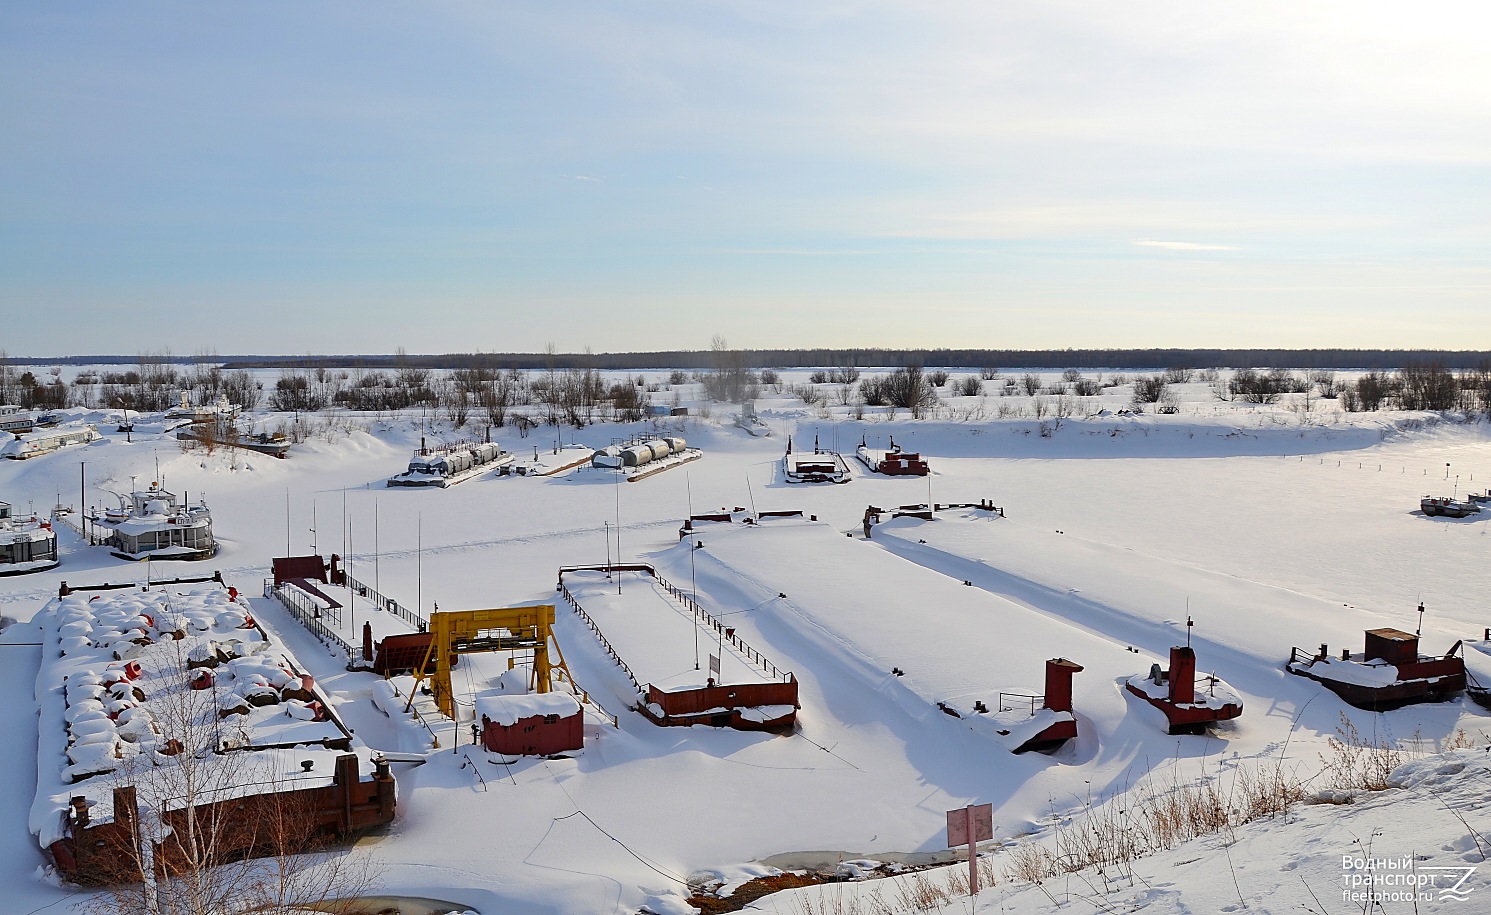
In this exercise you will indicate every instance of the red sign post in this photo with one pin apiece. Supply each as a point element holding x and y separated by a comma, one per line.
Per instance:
<point>966,827</point>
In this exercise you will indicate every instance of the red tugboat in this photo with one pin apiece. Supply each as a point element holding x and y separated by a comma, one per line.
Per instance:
<point>1190,704</point>
<point>1389,674</point>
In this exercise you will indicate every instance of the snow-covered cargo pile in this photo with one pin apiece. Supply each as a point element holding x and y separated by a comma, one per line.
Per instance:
<point>179,699</point>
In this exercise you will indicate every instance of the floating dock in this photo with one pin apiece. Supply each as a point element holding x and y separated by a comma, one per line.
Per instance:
<point>819,466</point>
<point>892,461</point>
<point>451,464</point>
<point>687,666</point>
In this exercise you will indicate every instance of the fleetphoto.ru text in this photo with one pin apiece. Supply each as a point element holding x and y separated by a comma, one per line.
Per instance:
<point>1403,879</point>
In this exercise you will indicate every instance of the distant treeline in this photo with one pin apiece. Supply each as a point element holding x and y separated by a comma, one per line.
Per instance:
<point>1116,359</point>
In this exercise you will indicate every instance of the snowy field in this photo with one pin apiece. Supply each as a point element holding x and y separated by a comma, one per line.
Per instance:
<point>1270,526</point>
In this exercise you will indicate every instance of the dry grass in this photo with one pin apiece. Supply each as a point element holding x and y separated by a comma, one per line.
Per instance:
<point>1159,814</point>
<point>1164,811</point>
<point>907,894</point>
<point>1355,762</point>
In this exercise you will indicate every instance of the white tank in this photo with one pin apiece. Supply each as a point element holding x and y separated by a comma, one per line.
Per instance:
<point>636,455</point>
<point>608,457</point>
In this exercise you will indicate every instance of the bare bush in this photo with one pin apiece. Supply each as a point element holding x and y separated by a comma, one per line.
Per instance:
<point>1086,387</point>
<point>1149,389</point>
<point>1252,386</point>
<point>875,391</point>
<point>905,387</point>
<point>1326,384</point>
<point>808,393</point>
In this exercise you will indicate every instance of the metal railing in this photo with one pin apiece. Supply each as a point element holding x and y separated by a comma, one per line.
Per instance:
<point>419,623</point>
<point>1007,705</point>
<point>740,645</point>
<point>601,637</point>
<point>309,614</point>
<point>744,650</point>
<point>93,538</point>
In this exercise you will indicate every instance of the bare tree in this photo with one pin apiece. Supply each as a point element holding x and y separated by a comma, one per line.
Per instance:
<point>731,381</point>
<point>1428,386</point>
<point>215,830</point>
<point>909,387</point>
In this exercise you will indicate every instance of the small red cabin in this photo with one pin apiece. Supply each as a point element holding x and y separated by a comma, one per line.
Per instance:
<point>1392,645</point>
<point>534,724</point>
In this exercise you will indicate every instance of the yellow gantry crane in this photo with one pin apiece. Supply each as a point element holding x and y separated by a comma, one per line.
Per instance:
<point>471,631</point>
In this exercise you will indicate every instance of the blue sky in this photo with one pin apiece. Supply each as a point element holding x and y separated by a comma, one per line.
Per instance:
<point>339,177</point>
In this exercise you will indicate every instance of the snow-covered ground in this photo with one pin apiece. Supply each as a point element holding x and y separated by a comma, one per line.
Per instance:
<point>1270,526</point>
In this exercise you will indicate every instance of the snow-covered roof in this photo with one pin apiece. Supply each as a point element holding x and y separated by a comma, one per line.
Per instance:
<point>507,709</point>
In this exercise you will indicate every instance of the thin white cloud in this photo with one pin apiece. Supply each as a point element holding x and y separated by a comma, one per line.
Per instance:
<point>586,178</point>
<point>1181,245</point>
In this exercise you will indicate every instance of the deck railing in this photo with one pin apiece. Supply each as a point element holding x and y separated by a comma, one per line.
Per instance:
<point>744,650</point>
<point>94,538</point>
<point>419,623</point>
<point>601,637</point>
<point>309,614</point>
<point>1008,702</point>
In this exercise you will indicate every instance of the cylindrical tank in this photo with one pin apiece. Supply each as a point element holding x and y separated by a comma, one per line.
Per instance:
<point>636,455</point>
<point>484,453</point>
<point>606,459</point>
<point>677,444</point>
<point>660,448</point>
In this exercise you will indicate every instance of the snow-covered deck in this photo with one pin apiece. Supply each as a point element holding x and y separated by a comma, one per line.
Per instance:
<point>664,643</point>
<point>131,678</point>
<point>944,646</point>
